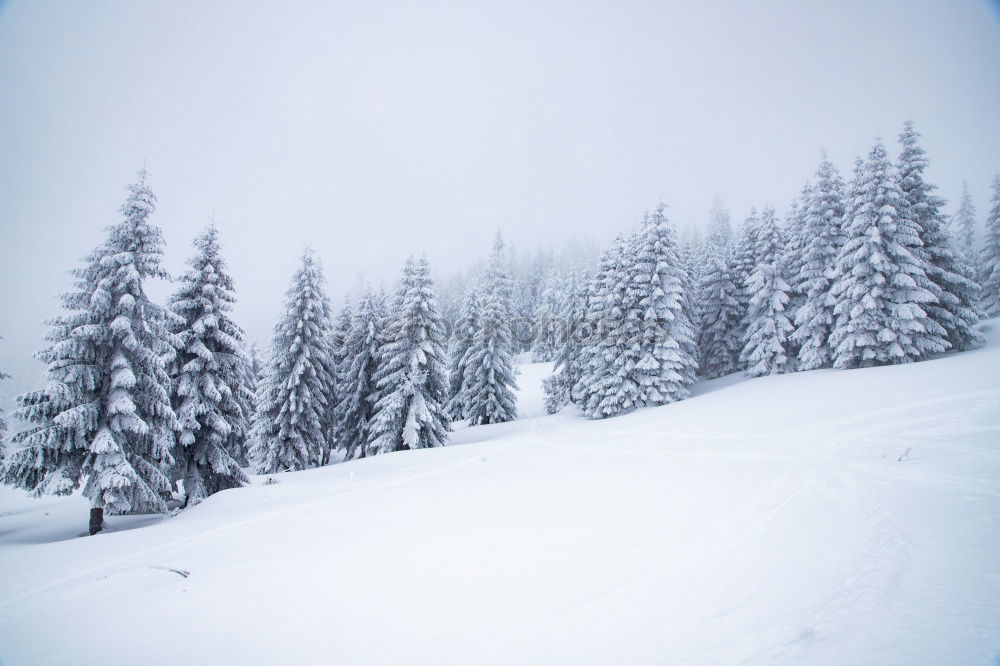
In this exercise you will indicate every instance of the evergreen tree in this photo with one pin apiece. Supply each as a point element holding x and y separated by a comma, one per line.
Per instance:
<point>356,375</point>
<point>949,277</point>
<point>488,383</point>
<point>566,364</point>
<point>879,300</point>
<point>719,224</point>
<point>664,363</point>
<point>292,425</point>
<point>3,422</point>
<point>210,395</point>
<point>744,261</point>
<point>823,218</point>
<point>338,338</point>
<point>990,257</point>
<point>720,342</point>
<point>410,412</point>
<point>547,324</point>
<point>105,419</point>
<point>605,387</point>
<point>766,349</point>
<point>964,225</point>
<point>461,341</point>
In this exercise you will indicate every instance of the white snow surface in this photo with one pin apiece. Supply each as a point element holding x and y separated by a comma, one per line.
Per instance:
<point>826,517</point>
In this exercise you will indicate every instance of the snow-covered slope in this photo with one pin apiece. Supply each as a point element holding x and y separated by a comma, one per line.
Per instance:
<point>819,518</point>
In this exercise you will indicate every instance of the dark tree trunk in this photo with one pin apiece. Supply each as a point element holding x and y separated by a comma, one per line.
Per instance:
<point>96,520</point>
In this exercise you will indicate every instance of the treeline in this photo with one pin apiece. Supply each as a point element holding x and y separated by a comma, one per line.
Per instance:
<point>148,405</point>
<point>859,274</point>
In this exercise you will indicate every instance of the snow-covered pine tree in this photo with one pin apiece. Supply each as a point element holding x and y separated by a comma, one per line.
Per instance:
<point>488,383</point>
<point>210,394</point>
<point>719,224</point>
<point>664,364</point>
<point>292,424</point>
<point>605,387</point>
<point>990,257</point>
<point>546,320</point>
<point>743,264</point>
<point>823,220</point>
<point>951,278</point>
<point>105,419</point>
<point>566,364</point>
<point>719,343</point>
<point>768,328</point>
<point>879,300</point>
<point>465,332</point>
<point>338,336</point>
<point>796,241</point>
<point>963,225</point>
<point>689,253</point>
<point>3,422</point>
<point>410,412</point>
<point>356,375</point>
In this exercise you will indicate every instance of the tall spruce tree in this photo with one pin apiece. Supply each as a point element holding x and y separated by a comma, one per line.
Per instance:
<point>605,387</point>
<point>546,320</point>
<point>719,343</point>
<point>823,218</point>
<point>765,351</point>
<point>3,423</point>
<point>662,364</point>
<point>964,225</point>
<point>879,301</point>
<point>338,338</point>
<point>566,365</point>
<point>461,340</point>
<point>410,412</point>
<point>489,384</point>
<point>356,375</point>
<point>292,424</point>
<point>105,420</point>
<point>211,397</point>
<point>949,276</point>
<point>990,257</point>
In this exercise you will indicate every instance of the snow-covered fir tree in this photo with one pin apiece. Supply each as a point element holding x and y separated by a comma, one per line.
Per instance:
<point>990,257</point>
<point>489,384</point>
<point>546,320</point>
<point>105,420</point>
<point>963,225</point>
<point>604,389</point>
<point>950,277</point>
<point>664,363</point>
<point>356,375</point>
<point>822,221</point>
<point>292,426</point>
<point>566,363</point>
<point>411,380</point>
<point>796,241</point>
<point>719,224</point>
<point>743,263</point>
<point>719,343</point>
<point>461,340</point>
<point>338,337</point>
<point>879,303</point>
<point>3,422</point>
<point>768,327</point>
<point>210,395</point>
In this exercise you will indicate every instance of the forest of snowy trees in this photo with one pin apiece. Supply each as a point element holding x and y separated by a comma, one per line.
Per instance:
<point>152,406</point>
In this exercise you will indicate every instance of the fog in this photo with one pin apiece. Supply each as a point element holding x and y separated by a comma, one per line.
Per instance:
<point>373,130</point>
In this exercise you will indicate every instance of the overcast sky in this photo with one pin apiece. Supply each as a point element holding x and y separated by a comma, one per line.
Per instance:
<point>373,129</point>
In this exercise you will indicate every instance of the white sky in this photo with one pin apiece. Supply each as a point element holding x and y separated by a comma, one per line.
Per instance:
<point>372,129</point>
